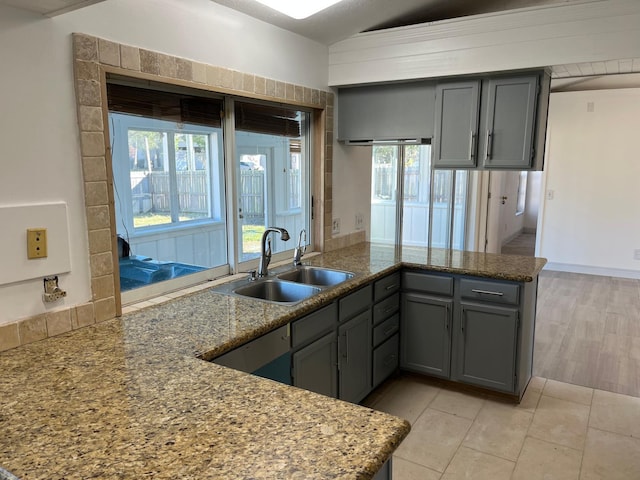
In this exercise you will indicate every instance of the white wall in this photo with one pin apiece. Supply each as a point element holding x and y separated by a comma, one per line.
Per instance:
<point>532,202</point>
<point>351,186</point>
<point>592,223</point>
<point>38,126</point>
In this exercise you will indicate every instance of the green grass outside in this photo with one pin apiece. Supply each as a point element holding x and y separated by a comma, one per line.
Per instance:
<point>149,219</point>
<point>251,234</point>
<point>251,237</point>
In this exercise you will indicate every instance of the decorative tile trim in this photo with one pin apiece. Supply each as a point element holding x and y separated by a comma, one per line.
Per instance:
<point>344,241</point>
<point>46,325</point>
<point>91,57</point>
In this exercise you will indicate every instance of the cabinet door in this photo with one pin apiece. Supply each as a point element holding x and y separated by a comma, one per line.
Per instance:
<point>314,366</point>
<point>456,124</point>
<point>355,358</point>
<point>425,334</point>
<point>385,360</point>
<point>510,122</point>
<point>486,346</point>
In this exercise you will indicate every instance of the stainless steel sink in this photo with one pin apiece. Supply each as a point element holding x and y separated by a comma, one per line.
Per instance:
<point>324,277</point>
<point>277,291</point>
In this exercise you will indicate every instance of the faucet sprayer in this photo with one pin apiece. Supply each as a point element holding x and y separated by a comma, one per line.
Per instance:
<point>300,248</point>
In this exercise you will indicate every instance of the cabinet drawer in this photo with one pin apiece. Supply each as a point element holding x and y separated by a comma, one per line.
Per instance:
<point>488,291</point>
<point>428,283</point>
<point>386,286</point>
<point>385,360</point>
<point>355,302</point>
<point>313,325</point>
<point>385,308</point>
<point>386,329</point>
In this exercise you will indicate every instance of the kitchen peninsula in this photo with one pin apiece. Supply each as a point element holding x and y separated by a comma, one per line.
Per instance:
<point>133,398</point>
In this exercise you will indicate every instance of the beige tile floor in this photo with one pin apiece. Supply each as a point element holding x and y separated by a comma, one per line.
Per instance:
<point>558,432</point>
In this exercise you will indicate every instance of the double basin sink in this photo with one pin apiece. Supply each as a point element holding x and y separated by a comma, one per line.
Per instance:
<point>288,287</point>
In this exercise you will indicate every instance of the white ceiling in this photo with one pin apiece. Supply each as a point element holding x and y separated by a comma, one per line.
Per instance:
<point>49,8</point>
<point>350,17</point>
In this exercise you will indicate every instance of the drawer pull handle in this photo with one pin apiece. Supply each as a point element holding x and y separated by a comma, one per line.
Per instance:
<point>391,287</point>
<point>389,330</point>
<point>446,322</point>
<point>472,145</point>
<point>389,310</point>
<point>346,343</point>
<point>488,292</point>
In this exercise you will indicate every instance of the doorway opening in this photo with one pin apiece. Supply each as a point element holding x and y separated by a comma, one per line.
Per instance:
<point>511,214</point>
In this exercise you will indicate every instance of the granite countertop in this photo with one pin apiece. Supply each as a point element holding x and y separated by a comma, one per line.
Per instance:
<point>132,398</point>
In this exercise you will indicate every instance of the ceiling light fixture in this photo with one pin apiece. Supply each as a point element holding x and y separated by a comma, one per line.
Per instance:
<point>298,9</point>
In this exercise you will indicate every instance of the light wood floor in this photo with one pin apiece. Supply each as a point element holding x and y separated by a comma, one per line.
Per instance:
<point>523,244</point>
<point>588,331</point>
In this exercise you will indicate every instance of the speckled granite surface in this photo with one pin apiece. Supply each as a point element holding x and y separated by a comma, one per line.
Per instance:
<point>129,399</point>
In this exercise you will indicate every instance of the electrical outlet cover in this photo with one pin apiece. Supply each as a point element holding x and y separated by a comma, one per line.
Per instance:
<point>335,226</point>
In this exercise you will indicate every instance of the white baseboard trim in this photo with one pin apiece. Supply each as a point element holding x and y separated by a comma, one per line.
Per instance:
<point>590,270</point>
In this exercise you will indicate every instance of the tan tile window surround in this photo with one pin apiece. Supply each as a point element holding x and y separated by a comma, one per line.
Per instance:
<point>93,59</point>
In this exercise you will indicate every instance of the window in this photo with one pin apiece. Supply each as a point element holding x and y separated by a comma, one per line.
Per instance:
<point>170,173</point>
<point>172,187</point>
<point>272,174</point>
<point>434,202</point>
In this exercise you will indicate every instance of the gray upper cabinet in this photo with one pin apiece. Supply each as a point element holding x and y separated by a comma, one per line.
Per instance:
<point>509,122</point>
<point>456,124</point>
<point>496,122</point>
<point>397,111</point>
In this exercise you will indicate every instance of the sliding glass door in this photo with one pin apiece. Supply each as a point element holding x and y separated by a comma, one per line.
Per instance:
<point>412,204</point>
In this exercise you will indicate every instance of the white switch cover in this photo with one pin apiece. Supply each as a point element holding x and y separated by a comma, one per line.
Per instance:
<point>550,194</point>
<point>335,226</point>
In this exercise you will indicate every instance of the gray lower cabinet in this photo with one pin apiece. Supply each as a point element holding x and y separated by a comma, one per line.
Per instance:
<point>354,362</point>
<point>314,342</point>
<point>426,334</point>
<point>472,330</point>
<point>385,359</point>
<point>314,366</point>
<point>386,325</point>
<point>486,349</point>
<point>332,348</point>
